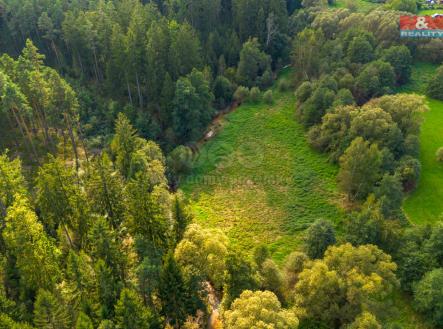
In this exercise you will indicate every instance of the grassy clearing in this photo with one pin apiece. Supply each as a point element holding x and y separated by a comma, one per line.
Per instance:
<point>260,182</point>
<point>361,5</point>
<point>425,204</point>
<point>430,11</point>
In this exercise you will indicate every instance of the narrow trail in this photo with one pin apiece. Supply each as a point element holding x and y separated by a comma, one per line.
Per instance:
<point>214,303</point>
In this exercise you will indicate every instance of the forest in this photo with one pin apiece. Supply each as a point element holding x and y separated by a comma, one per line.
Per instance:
<point>127,127</point>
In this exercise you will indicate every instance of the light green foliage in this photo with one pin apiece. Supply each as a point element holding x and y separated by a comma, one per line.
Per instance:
<point>439,154</point>
<point>314,3</point>
<point>260,309</point>
<point>294,265</point>
<point>359,169</point>
<point>203,251</point>
<point>365,321</point>
<point>83,322</point>
<point>403,5</point>
<point>61,200</point>
<point>424,206</point>
<point>268,97</point>
<point>37,256</point>
<point>241,94</point>
<point>257,138</point>
<point>7,323</point>
<point>346,281</point>
<point>12,182</point>
<point>254,95</point>
<point>124,144</point>
<point>306,47</point>
<point>130,313</point>
<point>104,188</point>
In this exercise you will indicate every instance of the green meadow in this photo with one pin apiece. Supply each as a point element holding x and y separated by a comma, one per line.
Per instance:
<point>425,204</point>
<point>260,182</point>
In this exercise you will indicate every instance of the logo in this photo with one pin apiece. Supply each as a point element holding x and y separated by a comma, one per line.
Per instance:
<point>421,26</point>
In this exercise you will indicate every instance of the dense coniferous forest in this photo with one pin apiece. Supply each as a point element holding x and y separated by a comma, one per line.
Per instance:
<point>105,105</point>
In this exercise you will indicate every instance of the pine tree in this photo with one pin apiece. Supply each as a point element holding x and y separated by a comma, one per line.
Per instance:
<point>83,322</point>
<point>130,312</point>
<point>124,144</point>
<point>173,292</point>
<point>49,313</point>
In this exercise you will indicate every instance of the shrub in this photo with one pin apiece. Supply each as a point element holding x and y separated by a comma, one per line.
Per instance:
<point>304,91</point>
<point>241,94</point>
<point>439,154</point>
<point>428,295</point>
<point>268,97</point>
<point>223,90</point>
<point>254,94</point>
<point>435,86</point>
<point>284,85</point>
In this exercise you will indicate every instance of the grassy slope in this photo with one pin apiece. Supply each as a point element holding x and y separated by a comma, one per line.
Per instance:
<point>425,204</point>
<point>362,5</point>
<point>430,11</point>
<point>267,184</point>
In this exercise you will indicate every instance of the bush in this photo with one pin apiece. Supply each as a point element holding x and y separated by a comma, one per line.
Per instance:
<point>428,296</point>
<point>268,97</point>
<point>439,154</point>
<point>241,94</point>
<point>254,95</point>
<point>223,90</point>
<point>304,91</point>
<point>319,237</point>
<point>435,86</point>
<point>283,85</point>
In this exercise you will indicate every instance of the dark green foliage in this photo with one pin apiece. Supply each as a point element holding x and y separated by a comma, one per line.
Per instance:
<point>319,237</point>
<point>253,64</point>
<point>223,90</point>
<point>390,195</point>
<point>239,276</point>
<point>434,245</point>
<point>344,97</point>
<point>304,91</point>
<point>408,170</point>
<point>360,50</point>
<point>192,106</point>
<point>174,294</point>
<point>435,86</point>
<point>49,312</point>
<point>375,79</point>
<point>261,253</point>
<point>179,162</point>
<point>401,60</point>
